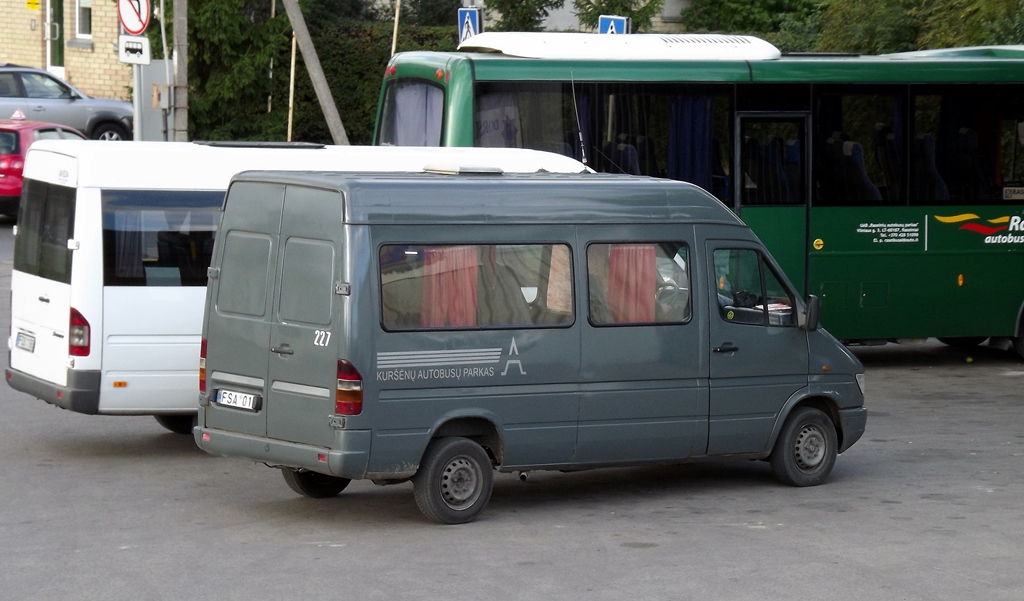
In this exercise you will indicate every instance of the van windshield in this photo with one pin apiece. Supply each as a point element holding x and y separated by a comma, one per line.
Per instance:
<point>46,221</point>
<point>158,237</point>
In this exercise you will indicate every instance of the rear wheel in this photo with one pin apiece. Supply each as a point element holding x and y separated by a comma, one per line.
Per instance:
<point>454,482</point>
<point>964,341</point>
<point>806,449</point>
<point>179,424</point>
<point>314,484</point>
<point>109,131</point>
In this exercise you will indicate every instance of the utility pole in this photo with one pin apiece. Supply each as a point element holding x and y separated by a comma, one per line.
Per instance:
<point>316,73</point>
<point>179,92</point>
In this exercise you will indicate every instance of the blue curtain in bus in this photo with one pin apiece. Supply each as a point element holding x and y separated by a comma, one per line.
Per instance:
<point>690,139</point>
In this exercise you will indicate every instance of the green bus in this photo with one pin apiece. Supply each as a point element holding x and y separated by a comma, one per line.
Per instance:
<point>890,186</point>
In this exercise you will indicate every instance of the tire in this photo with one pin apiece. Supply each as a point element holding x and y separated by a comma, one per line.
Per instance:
<point>314,484</point>
<point>806,449</point>
<point>963,341</point>
<point>110,131</point>
<point>1018,345</point>
<point>179,424</point>
<point>454,481</point>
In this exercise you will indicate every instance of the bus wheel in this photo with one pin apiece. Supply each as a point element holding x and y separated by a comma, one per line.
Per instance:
<point>1018,345</point>
<point>314,484</point>
<point>453,484</point>
<point>179,424</point>
<point>806,449</point>
<point>964,341</point>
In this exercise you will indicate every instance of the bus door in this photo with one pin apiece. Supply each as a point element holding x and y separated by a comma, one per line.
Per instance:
<point>771,174</point>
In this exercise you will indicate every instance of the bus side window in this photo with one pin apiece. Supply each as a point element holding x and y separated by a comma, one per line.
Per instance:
<point>638,283</point>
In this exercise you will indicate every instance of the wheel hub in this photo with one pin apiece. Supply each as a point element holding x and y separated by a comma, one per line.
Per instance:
<point>460,483</point>
<point>810,448</point>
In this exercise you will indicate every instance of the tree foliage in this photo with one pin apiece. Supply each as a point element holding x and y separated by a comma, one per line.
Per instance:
<point>640,12</point>
<point>521,15</point>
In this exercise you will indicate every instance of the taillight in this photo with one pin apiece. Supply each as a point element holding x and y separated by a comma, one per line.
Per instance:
<point>348,399</point>
<point>11,164</point>
<point>202,366</point>
<point>78,338</point>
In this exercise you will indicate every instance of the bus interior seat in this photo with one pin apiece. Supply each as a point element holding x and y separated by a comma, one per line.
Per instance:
<point>752,158</point>
<point>928,183</point>
<point>623,157</point>
<point>887,155</point>
<point>856,184</point>
<point>973,182</point>
<point>500,299</point>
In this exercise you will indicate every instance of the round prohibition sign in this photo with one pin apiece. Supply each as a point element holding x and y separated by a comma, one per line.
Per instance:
<point>134,15</point>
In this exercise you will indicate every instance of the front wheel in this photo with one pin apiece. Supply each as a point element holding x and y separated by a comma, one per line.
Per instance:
<point>806,449</point>
<point>454,482</point>
<point>314,484</point>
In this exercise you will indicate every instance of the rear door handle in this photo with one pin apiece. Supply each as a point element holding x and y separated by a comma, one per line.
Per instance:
<point>284,349</point>
<point>44,299</point>
<point>727,347</point>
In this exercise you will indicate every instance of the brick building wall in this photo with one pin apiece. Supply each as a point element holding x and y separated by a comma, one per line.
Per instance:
<point>89,64</point>
<point>21,33</point>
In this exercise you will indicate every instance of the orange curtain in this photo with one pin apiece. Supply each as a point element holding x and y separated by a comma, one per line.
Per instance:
<point>631,283</point>
<point>449,286</point>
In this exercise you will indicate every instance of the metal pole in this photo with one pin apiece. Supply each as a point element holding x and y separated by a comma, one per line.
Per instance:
<point>394,36</point>
<point>180,95</point>
<point>291,91</point>
<point>136,104</point>
<point>316,73</point>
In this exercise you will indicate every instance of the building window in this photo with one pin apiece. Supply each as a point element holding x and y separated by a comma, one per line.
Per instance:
<point>84,20</point>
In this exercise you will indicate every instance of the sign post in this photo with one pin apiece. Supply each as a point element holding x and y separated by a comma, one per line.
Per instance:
<point>134,17</point>
<point>469,23</point>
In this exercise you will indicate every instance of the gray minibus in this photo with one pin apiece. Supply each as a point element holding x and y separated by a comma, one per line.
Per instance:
<point>436,327</point>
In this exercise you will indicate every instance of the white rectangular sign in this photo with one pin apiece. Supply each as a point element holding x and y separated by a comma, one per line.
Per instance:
<point>133,49</point>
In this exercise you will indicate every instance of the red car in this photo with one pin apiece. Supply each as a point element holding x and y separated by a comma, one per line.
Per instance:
<point>15,138</point>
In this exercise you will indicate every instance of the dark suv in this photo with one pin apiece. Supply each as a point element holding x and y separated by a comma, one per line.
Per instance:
<point>29,93</point>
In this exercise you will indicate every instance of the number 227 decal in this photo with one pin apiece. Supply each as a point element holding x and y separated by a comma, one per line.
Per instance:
<point>321,337</point>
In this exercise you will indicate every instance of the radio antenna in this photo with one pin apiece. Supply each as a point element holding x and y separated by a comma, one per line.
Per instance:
<point>575,108</point>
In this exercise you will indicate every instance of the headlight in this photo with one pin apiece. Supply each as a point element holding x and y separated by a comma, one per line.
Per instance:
<point>861,383</point>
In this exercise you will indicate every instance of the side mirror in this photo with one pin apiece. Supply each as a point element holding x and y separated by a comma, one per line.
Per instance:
<point>813,311</point>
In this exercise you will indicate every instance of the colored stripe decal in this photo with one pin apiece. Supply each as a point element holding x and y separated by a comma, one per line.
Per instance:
<point>982,229</point>
<point>957,218</point>
<point>1005,219</point>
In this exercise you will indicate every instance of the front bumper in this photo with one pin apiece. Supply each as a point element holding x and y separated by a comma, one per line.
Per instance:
<point>852,423</point>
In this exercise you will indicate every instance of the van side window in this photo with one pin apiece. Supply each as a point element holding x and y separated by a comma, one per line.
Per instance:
<point>475,286</point>
<point>158,237</point>
<point>749,292</point>
<point>46,219</point>
<point>634,283</point>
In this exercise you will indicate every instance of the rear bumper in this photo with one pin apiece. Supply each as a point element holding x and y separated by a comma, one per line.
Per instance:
<point>9,204</point>
<point>348,458</point>
<point>852,423</point>
<point>81,395</point>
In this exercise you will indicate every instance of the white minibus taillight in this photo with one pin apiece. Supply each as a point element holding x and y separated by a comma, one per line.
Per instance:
<point>202,366</point>
<point>78,339</point>
<point>348,400</point>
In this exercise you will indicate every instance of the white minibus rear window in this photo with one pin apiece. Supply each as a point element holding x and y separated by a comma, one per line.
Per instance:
<point>46,221</point>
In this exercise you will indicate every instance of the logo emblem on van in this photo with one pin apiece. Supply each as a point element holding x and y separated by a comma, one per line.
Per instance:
<point>446,365</point>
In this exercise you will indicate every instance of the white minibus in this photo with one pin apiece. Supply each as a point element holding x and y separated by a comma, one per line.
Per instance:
<point>111,254</point>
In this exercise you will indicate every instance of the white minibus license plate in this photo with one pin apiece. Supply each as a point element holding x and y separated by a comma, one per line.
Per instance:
<point>238,400</point>
<point>26,342</point>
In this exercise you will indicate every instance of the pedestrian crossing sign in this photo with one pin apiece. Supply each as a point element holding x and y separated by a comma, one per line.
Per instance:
<point>469,23</point>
